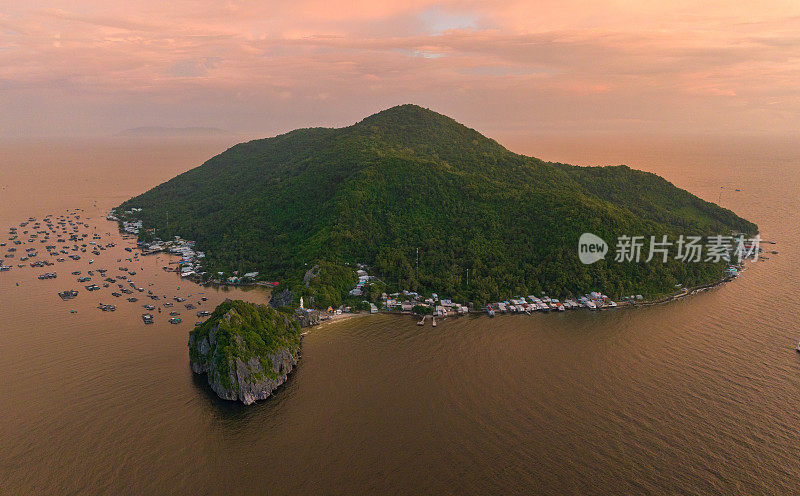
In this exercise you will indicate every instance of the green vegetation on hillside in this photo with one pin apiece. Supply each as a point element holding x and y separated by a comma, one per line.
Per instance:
<point>429,205</point>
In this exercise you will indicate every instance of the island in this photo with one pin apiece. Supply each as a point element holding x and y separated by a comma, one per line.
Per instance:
<point>409,201</point>
<point>246,350</point>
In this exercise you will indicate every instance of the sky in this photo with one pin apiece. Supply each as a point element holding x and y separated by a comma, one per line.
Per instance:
<point>511,67</point>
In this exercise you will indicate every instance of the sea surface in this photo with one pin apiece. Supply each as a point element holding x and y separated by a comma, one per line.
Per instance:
<point>698,396</point>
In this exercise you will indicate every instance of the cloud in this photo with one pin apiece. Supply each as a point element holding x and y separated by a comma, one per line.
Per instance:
<point>193,67</point>
<point>263,66</point>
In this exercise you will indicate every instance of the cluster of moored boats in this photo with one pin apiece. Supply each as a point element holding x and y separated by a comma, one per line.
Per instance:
<point>63,235</point>
<point>545,304</point>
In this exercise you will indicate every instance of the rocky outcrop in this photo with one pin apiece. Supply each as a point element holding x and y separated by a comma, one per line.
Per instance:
<point>282,299</point>
<point>307,318</point>
<point>247,351</point>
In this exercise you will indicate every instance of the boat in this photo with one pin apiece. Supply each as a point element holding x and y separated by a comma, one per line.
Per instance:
<point>490,311</point>
<point>422,322</point>
<point>434,322</point>
<point>147,318</point>
<point>798,347</point>
<point>175,320</point>
<point>67,295</point>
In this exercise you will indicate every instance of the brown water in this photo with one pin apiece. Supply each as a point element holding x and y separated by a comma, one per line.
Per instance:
<point>700,396</point>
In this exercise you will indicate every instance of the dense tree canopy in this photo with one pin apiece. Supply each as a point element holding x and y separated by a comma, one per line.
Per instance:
<point>430,205</point>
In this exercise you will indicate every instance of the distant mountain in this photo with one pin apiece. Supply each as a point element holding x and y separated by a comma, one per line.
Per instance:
<point>429,205</point>
<point>172,132</point>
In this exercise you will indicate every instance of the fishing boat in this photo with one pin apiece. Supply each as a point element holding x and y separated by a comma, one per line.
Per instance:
<point>490,311</point>
<point>798,347</point>
<point>67,295</point>
<point>175,320</point>
<point>147,318</point>
<point>434,322</point>
<point>421,322</point>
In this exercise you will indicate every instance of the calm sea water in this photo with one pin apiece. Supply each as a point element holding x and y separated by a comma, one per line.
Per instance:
<point>700,396</point>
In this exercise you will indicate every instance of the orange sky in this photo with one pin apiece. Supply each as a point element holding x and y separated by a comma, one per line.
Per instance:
<point>504,67</point>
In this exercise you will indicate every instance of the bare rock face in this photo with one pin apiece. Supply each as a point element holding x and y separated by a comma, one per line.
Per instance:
<point>246,350</point>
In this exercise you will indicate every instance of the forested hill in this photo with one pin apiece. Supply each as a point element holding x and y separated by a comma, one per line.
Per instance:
<point>408,180</point>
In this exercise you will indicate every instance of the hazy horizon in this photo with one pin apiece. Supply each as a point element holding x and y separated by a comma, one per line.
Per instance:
<point>261,68</point>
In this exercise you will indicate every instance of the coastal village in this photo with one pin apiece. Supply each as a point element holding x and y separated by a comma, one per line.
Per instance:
<point>405,302</point>
<point>189,265</point>
<point>68,237</point>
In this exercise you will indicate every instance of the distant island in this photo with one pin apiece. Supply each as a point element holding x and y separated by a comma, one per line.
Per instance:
<point>172,132</point>
<point>420,203</point>
<point>245,350</point>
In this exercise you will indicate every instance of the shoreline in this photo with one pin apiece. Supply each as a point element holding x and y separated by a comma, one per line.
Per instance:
<point>333,319</point>
<point>620,305</point>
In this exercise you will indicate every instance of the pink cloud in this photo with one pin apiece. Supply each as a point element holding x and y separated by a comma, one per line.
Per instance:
<point>264,66</point>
